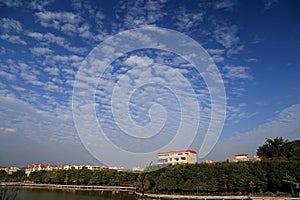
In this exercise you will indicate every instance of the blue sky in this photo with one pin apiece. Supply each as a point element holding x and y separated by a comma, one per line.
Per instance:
<point>254,45</point>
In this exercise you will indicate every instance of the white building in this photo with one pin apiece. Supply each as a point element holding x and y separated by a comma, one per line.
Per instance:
<point>240,157</point>
<point>177,157</point>
<point>244,157</point>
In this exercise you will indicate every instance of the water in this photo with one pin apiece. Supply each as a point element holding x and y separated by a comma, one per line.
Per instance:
<point>45,194</point>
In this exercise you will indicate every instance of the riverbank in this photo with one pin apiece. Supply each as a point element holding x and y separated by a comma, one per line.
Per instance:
<point>133,191</point>
<point>176,196</point>
<point>67,187</point>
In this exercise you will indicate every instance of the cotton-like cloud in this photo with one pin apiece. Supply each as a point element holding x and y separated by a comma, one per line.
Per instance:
<point>7,130</point>
<point>138,61</point>
<point>223,4</point>
<point>67,22</point>
<point>50,38</point>
<point>55,19</point>
<point>269,3</point>
<point>236,113</point>
<point>226,35</point>
<point>237,72</point>
<point>15,39</point>
<point>40,50</point>
<point>39,4</point>
<point>185,19</point>
<point>8,24</point>
<point>12,3</point>
<point>217,54</point>
<point>141,12</point>
<point>8,75</point>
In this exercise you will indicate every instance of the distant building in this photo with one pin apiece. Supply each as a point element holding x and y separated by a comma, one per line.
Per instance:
<point>137,169</point>
<point>9,170</point>
<point>39,167</point>
<point>255,158</point>
<point>240,157</point>
<point>210,161</point>
<point>67,167</point>
<point>177,157</point>
<point>49,167</point>
<point>12,170</point>
<point>244,157</point>
<point>4,169</point>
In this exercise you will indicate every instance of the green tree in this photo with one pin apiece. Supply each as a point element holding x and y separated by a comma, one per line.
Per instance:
<point>291,181</point>
<point>280,149</point>
<point>3,175</point>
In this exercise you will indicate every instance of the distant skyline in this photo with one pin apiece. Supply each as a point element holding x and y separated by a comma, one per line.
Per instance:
<point>255,46</point>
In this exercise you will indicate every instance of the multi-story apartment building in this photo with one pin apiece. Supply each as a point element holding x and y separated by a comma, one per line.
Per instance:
<point>177,157</point>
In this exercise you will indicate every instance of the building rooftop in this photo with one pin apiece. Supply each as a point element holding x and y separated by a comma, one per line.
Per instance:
<point>180,151</point>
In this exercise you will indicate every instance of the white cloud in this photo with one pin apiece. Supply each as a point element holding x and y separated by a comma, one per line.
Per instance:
<point>67,22</point>
<point>218,58</point>
<point>29,74</point>
<point>223,4</point>
<point>15,39</point>
<point>8,75</point>
<point>140,12</point>
<point>52,87</point>
<point>39,4</point>
<point>7,130</point>
<point>40,50</point>
<point>35,35</point>
<point>226,35</point>
<point>187,19</point>
<point>8,25</point>
<point>237,72</point>
<point>237,112</point>
<point>215,51</point>
<point>12,3</point>
<point>268,4</point>
<point>60,41</point>
<point>235,50</point>
<point>217,54</point>
<point>138,61</point>
<point>55,19</point>
<point>251,60</point>
<point>55,39</point>
<point>67,59</point>
<point>52,70</point>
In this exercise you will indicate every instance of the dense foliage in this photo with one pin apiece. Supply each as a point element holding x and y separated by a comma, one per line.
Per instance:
<point>279,149</point>
<point>222,177</point>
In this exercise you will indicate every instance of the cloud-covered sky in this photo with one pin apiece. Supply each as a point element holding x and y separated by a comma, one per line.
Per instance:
<point>145,97</point>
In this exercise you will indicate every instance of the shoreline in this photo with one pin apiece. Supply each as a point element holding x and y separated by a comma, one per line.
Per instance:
<point>67,187</point>
<point>133,191</point>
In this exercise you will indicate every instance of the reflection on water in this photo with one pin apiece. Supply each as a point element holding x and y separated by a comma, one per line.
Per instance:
<point>44,194</point>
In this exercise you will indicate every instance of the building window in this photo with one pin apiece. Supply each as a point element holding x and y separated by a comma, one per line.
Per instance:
<point>162,160</point>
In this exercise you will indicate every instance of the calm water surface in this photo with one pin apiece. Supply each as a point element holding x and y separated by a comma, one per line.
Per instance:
<point>45,194</point>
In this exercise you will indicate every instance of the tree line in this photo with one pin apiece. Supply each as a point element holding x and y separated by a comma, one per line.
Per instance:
<point>271,175</point>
